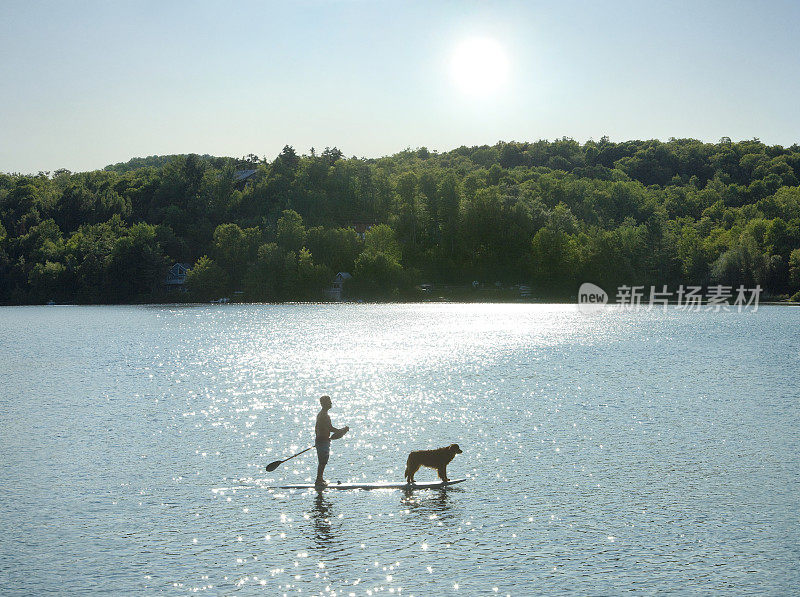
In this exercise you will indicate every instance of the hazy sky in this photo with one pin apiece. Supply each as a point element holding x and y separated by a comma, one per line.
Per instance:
<point>85,84</point>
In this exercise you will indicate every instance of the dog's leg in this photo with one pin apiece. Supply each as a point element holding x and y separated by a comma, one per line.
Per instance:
<point>442,472</point>
<point>411,470</point>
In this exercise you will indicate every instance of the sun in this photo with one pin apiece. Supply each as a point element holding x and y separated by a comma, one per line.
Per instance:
<point>479,66</point>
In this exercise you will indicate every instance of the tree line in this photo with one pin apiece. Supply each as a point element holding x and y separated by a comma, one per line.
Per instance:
<point>551,214</point>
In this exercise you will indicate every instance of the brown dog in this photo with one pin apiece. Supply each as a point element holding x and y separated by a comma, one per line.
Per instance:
<point>438,459</point>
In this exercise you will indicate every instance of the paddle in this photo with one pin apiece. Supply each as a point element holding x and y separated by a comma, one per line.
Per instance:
<point>273,465</point>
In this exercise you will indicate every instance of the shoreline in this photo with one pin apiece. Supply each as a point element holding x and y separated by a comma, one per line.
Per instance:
<point>643,306</point>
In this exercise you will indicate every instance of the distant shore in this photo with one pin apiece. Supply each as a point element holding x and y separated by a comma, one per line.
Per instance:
<point>441,300</point>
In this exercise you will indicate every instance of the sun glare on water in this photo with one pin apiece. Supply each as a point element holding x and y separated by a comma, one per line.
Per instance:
<point>479,66</point>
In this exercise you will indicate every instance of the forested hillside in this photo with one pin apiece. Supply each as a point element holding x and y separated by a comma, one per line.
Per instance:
<point>547,214</point>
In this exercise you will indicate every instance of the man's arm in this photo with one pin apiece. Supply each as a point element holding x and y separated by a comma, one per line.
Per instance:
<point>325,428</point>
<point>329,425</point>
<point>337,432</point>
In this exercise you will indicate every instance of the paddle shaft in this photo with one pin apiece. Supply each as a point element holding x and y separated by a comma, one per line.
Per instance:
<point>273,465</point>
<point>298,454</point>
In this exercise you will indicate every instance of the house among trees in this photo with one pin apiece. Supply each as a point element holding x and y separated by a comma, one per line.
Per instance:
<point>176,276</point>
<point>244,178</point>
<point>336,291</point>
<point>361,227</point>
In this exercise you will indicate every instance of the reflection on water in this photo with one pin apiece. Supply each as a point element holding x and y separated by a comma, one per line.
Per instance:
<point>321,515</point>
<point>427,503</point>
<point>628,451</point>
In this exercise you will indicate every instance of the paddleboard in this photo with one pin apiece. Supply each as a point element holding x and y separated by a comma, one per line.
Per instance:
<point>409,486</point>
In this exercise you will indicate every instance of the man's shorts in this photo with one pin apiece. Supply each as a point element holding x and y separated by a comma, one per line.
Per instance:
<point>323,450</point>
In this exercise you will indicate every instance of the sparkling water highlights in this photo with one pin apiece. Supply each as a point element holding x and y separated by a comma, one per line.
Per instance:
<point>619,451</point>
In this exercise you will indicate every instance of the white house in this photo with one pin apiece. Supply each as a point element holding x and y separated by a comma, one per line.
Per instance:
<point>336,290</point>
<point>176,276</point>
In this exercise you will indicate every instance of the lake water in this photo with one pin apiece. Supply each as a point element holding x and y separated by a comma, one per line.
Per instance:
<point>653,452</point>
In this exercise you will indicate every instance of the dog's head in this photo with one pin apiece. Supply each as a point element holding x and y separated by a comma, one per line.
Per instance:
<point>455,449</point>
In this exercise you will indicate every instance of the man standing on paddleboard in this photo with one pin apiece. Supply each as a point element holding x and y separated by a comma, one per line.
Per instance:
<point>325,432</point>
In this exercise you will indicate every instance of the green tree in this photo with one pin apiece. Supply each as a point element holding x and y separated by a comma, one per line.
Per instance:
<point>744,264</point>
<point>409,208</point>
<point>382,239</point>
<point>88,254</point>
<point>694,266</point>
<point>554,260</point>
<point>449,203</point>
<point>137,264</point>
<point>233,249</point>
<point>311,279</point>
<point>291,232</point>
<point>376,275</point>
<point>267,279</point>
<point>47,281</point>
<point>794,269</point>
<point>207,280</point>
<point>336,248</point>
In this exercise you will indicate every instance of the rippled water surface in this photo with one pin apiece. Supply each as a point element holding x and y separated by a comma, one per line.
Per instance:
<point>655,452</point>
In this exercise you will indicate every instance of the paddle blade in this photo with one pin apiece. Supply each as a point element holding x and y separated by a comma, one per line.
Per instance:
<point>273,465</point>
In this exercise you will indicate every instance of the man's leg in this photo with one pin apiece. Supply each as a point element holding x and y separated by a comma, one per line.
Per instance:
<point>323,453</point>
<point>322,462</point>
